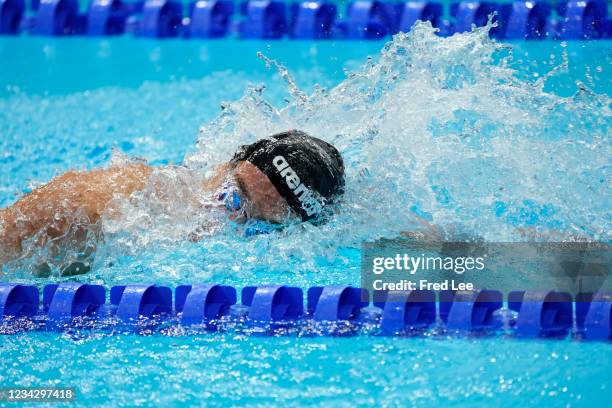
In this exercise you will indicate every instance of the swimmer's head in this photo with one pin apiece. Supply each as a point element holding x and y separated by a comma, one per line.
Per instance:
<point>290,172</point>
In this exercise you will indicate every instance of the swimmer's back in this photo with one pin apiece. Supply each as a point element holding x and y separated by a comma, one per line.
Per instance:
<point>74,195</point>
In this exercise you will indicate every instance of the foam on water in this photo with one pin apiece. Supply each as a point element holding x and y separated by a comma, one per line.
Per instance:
<point>444,129</point>
<point>441,130</point>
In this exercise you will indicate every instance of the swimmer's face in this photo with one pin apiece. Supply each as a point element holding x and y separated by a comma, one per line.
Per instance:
<point>265,201</point>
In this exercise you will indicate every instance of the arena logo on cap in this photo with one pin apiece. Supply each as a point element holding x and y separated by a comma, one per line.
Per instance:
<point>305,195</point>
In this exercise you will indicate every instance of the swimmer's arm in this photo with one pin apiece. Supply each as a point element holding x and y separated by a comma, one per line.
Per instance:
<point>54,206</point>
<point>532,234</point>
<point>429,232</point>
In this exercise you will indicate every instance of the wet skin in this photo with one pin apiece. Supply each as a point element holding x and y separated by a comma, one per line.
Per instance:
<point>83,197</point>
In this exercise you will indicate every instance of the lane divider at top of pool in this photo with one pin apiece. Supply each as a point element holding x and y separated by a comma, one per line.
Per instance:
<point>264,19</point>
<point>333,310</point>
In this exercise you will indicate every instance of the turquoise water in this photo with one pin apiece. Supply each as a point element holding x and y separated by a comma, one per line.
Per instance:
<point>461,131</point>
<point>226,370</point>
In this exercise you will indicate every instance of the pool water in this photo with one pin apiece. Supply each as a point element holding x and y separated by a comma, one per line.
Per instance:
<point>228,370</point>
<point>477,137</point>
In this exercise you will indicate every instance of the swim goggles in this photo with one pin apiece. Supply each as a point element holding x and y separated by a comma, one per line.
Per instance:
<point>231,196</point>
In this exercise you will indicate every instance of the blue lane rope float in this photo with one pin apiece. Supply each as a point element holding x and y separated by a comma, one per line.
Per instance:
<point>593,315</point>
<point>541,313</point>
<point>210,19</point>
<point>199,304</point>
<point>467,13</point>
<point>407,310</point>
<point>412,11</point>
<point>332,310</point>
<point>160,19</point>
<point>62,303</point>
<point>332,303</point>
<point>263,19</point>
<point>59,17</point>
<point>369,20</point>
<point>269,19</point>
<point>109,17</point>
<point>527,20</point>
<point>11,13</point>
<point>312,20</point>
<point>471,310</point>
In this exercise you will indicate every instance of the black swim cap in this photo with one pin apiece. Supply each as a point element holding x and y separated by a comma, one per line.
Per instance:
<point>307,172</point>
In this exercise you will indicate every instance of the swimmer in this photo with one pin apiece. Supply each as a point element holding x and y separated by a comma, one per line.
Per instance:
<point>288,176</point>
